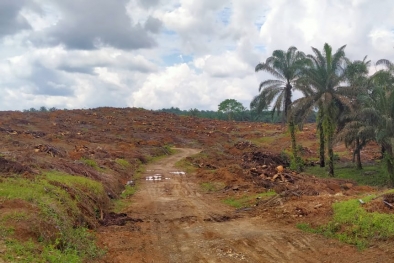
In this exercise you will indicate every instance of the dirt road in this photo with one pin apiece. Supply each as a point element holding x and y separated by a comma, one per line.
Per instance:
<point>181,224</point>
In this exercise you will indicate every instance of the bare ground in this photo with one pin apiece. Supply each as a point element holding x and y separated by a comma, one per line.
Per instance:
<point>173,221</point>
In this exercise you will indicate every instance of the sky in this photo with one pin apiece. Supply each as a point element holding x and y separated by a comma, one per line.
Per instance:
<point>169,53</point>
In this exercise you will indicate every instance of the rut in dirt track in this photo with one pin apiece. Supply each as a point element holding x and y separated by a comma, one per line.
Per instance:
<point>177,223</point>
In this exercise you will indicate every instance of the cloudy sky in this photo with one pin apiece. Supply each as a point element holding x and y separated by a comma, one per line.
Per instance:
<point>168,53</point>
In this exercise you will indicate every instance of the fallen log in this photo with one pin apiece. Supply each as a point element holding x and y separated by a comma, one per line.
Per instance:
<point>388,204</point>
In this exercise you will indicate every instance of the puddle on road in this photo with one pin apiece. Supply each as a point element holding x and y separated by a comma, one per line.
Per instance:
<point>178,173</point>
<point>155,177</point>
<point>159,177</point>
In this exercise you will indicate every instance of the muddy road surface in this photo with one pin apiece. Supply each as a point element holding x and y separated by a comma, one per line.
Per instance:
<point>173,221</point>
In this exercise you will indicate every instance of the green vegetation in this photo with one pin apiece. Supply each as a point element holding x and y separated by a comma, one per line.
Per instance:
<point>91,163</point>
<point>139,171</point>
<point>354,106</point>
<point>128,191</point>
<point>321,78</point>
<point>247,115</point>
<point>186,166</point>
<point>65,205</point>
<point>230,107</point>
<point>352,224</point>
<point>83,247</point>
<point>168,149</point>
<point>120,204</point>
<point>123,163</point>
<point>369,175</point>
<point>287,67</point>
<point>162,153</point>
<point>267,140</point>
<point>212,186</point>
<point>41,109</point>
<point>247,200</point>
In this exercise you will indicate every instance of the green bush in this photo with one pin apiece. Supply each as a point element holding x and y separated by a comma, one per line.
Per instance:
<point>352,224</point>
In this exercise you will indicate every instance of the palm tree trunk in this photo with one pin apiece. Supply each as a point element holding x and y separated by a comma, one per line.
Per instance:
<point>389,157</point>
<point>293,138</point>
<point>321,140</point>
<point>288,95</point>
<point>297,162</point>
<point>358,154</point>
<point>331,158</point>
<point>382,151</point>
<point>330,136</point>
<point>322,147</point>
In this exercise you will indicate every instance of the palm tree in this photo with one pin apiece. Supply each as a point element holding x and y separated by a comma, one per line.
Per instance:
<point>356,134</point>
<point>321,88</point>
<point>286,66</point>
<point>381,111</point>
<point>353,129</point>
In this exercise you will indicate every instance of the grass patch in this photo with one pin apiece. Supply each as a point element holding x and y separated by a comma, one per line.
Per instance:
<point>372,175</point>
<point>140,170</point>
<point>247,200</point>
<point>163,152</point>
<point>352,224</point>
<point>123,163</point>
<point>67,205</point>
<point>30,251</point>
<point>6,231</point>
<point>263,140</point>
<point>120,204</point>
<point>91,163</point>
<point>128,191</point>
<point>185,165</point>
<point>211,186</point>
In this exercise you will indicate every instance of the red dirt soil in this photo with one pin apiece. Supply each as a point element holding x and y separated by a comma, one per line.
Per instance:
<point>174,220</point>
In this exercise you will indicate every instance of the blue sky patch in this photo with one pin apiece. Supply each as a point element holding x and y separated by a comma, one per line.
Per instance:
<point>176,58</point>
<point>224,15</point>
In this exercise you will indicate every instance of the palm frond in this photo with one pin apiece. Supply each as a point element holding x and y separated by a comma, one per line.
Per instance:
<point>384,62</point>
<point>271,82</point>
<point>266,67</point>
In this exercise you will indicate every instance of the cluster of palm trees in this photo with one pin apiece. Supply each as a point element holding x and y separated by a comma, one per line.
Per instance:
<point>352,105</point>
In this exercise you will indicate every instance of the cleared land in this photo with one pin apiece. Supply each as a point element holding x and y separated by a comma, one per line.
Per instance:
<point>64,176</point>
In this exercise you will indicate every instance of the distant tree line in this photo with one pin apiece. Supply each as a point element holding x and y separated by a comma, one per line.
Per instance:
<point>41,109</point>
<point>245,115</point>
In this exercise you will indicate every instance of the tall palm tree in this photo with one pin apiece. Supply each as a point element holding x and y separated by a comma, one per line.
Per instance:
<point>321,88</point>
<point>286,67</point>
<point>353,129</point>
<point>381,109</point>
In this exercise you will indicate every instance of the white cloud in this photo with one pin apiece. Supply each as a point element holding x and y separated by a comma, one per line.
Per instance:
<point>307,23</point>
<point>181,86</point>
<point>226,65</point>
<point>180,53</point>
